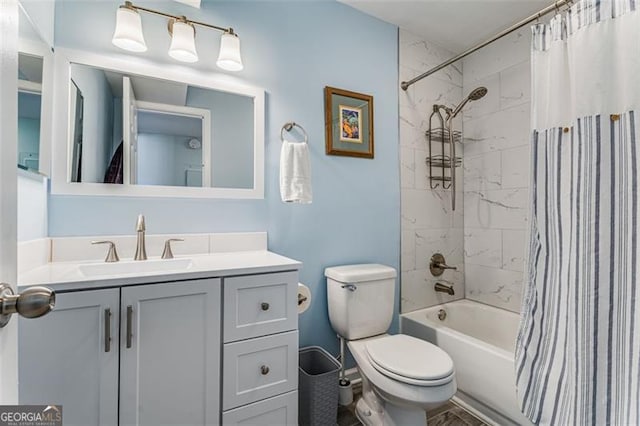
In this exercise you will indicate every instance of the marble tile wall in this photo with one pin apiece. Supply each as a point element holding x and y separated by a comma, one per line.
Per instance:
<point>496,171</point>
<point>428,225</point>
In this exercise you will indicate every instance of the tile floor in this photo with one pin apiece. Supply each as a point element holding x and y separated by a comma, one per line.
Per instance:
<point>445,415</point>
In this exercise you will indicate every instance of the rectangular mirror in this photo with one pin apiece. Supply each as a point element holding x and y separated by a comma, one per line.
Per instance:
<point>137,129</point>
<point>29,110</point>
<point>34,80</point>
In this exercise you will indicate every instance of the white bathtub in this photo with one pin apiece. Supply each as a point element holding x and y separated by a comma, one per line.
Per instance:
<point>480,339</point>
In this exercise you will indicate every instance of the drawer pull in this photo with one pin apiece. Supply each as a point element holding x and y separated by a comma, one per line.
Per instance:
<point>264,370</point>
<point>264,306</point>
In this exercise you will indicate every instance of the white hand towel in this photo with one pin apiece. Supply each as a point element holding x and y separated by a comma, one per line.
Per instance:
<point>295,173</point>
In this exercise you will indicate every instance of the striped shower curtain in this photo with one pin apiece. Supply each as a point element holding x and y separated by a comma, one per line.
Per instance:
<point>578,347</point>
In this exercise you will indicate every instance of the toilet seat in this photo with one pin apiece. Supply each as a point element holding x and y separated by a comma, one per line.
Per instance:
<point>410,360</point>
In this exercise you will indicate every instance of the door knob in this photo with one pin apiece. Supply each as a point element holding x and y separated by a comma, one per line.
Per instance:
<point>34,302</point>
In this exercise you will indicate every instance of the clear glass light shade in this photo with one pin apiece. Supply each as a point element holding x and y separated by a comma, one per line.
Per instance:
<point>229,58</point>
<point>183,43</point>
<point>128,34</point>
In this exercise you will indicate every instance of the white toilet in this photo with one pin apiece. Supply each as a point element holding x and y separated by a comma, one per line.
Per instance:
<point>402,376</point>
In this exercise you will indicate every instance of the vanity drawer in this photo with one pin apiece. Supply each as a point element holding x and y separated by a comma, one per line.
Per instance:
<point>256,305</point>
<point>259,368</point>
<point>279,410</point>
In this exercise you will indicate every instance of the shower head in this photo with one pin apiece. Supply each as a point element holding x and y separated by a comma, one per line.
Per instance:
<point>477,93</point>
<point>473,96</point>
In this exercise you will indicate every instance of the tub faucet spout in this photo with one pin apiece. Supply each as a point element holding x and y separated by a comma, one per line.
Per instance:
<point>444,288</point>
<point>141,250</point>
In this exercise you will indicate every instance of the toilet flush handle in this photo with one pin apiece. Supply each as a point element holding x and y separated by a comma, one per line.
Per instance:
<point>350,287</point>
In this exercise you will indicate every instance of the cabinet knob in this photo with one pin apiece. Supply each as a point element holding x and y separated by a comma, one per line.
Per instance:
<point>264,370</point>
<point>264,306</point>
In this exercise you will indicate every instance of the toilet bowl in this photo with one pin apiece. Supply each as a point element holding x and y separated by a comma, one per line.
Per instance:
<point>397,392</point>
<point>402,376</point>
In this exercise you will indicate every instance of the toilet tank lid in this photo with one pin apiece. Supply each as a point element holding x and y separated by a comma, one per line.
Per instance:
<point>360,273</point>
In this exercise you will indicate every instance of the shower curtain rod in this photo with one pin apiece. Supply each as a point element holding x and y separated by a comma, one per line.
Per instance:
<point>555,6</point>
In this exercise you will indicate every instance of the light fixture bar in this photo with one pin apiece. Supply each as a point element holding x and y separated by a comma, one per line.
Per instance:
<point>128,36</point>
<point>130,5</point>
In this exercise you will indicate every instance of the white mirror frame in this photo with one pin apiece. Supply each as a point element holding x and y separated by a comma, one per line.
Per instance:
<point>60,182</point>
<point>43,51</point>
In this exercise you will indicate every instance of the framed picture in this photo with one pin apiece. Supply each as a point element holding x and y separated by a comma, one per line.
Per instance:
<point>348,123</point>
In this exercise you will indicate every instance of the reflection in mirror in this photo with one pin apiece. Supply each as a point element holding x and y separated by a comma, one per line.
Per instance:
<point>172,139</point>
<point>146,131</point>
<point>29,110</point>
<point>77,105</point>
<point>35,76</point>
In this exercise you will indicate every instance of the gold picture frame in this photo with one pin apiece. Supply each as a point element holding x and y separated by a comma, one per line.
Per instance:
<point>348,123</point>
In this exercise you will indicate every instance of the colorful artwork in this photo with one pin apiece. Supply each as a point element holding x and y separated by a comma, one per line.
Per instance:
<point>348,121</point>
<point>351,123</point>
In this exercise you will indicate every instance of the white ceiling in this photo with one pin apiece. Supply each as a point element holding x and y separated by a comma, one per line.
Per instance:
<point>453,24</point>
<point>30,68</point>
<point>169,124</point>
<point>150,89</point>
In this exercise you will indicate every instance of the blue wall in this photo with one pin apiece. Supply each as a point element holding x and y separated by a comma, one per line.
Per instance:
<point>293,49</point>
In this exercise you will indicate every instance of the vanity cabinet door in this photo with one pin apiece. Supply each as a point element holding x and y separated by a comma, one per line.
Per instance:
<point>67,357</point>
<point>170,353</point>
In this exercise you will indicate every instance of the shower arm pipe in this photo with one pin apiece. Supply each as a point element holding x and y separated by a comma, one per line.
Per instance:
<point>555,6</point>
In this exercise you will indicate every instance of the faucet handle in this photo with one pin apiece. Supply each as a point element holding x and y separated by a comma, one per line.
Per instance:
<point>437,265</point>
<point>112,255</point>
<point>167,253</point>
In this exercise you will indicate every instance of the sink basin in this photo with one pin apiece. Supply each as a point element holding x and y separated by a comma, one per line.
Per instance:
<point>133,267</point>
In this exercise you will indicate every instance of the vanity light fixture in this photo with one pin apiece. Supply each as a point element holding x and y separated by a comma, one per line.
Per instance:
<point>128,36</point>
<point>183,41</point>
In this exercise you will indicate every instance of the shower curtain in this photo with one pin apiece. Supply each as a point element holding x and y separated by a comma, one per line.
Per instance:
<point>578,346</point>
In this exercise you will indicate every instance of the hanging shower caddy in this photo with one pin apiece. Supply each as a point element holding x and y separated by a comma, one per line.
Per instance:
<point>442,159</point>
<point>441,151</point>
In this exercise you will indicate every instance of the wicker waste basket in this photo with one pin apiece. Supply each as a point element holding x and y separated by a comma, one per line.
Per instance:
<point>317,388</point>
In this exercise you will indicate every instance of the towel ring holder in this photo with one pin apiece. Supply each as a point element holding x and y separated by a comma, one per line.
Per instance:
<point>289,126</point>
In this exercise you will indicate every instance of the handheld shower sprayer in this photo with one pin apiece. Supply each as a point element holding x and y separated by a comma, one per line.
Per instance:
<point>475,94</point>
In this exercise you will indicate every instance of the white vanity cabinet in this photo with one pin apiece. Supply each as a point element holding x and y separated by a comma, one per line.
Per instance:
<point>191,352</point>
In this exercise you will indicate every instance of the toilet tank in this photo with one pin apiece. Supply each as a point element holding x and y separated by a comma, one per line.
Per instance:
<point>361,299</point>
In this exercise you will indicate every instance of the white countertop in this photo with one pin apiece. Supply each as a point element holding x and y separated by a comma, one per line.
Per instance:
<point>66,276</point>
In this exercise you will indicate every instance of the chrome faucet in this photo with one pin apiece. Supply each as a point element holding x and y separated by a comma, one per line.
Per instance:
<point>141,250</point>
